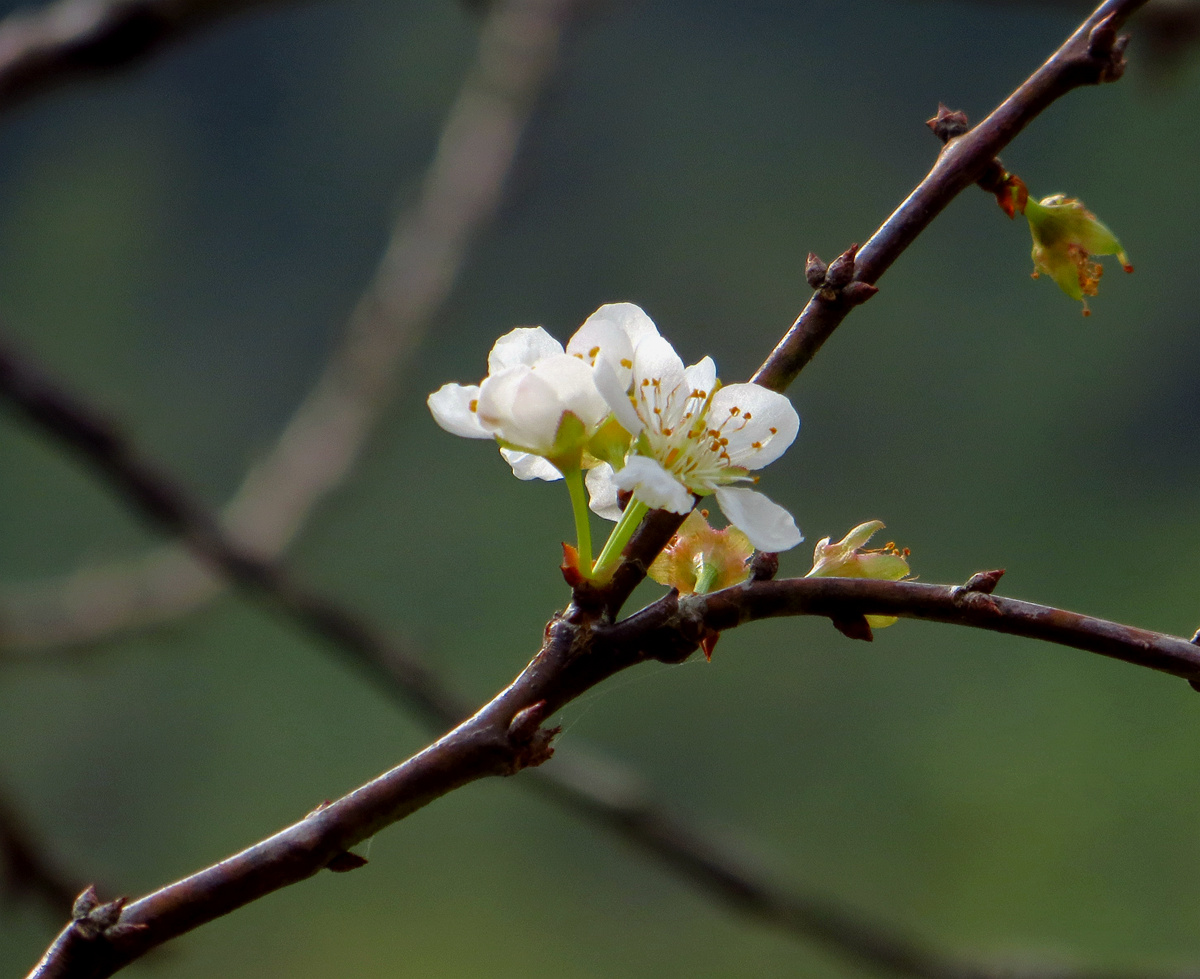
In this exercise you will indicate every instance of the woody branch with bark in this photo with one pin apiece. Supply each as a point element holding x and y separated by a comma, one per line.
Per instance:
<point>584,644</point>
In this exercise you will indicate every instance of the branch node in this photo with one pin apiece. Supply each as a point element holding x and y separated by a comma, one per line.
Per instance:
<point>983,582</point>
<point>1107,49</point>
<point>92,920</point>
<point>948,124</point>
<point>764,566</point>
<point>836,281</point>
<point>531,741</point>
<point>814,271</point>
<point>1102,38</point>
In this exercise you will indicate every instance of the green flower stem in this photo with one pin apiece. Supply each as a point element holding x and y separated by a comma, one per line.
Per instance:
<point>619,537</point>
<point>583,528</point>
<point>709,572</point>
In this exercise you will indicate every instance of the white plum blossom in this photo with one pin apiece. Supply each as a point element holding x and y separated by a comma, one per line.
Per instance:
<point>534,386</point>
<point>693,437</point>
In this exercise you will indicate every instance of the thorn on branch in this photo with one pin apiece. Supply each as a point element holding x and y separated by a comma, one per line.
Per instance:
<point>343,861</point>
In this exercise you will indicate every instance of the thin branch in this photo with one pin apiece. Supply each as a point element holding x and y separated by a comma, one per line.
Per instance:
<point>581,650</point>
<point>518,50</point>
<point>43,48</point>
<point>843,600</point>
<point>506,736</point>
<point>1092,54</point>
<point>596,788</point>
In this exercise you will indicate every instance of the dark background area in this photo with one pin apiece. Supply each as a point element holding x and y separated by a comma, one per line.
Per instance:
<point>182,242</point>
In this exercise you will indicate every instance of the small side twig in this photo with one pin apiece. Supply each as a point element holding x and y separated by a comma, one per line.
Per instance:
<point>1082,59</point>
<point>581,650</point>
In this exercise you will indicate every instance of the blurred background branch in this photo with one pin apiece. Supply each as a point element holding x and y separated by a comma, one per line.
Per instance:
<point>26,867</point>
<point>518,50</point>
<point>45,47</point>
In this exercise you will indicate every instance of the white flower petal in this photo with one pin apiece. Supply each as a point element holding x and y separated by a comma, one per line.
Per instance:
<point>575,387</point>
<point>497,394</point>
<point>450,406</point>
<point>655,359</point>
<point>602,492</point>
<point>702,376</point>
<point>768,525</point>
<point>629,318</point>
<point>524,345</point>
<point>600,337</point>
<point>654,486</point>
<point>616,395</point>
<point>536,414</point>
<point>760,424</point>
<point>525,465</point>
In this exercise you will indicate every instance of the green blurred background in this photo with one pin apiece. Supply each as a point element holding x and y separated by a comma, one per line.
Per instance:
<point>182,242</point>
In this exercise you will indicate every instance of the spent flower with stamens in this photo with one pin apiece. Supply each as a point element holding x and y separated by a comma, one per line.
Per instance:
<point>692,437</point>
<point>849,559</point>
<point>701,559</point>
<point>1066,235</point>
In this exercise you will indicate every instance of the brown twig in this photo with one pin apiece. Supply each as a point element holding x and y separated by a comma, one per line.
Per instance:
<point>673,619</point>
<point>667,630</point>
<point>46,47</point>
<point>1092,54</point>
<point>517,52</point>
<point>582,649</point>
<point>586,786</point>
<point>507,735</point>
